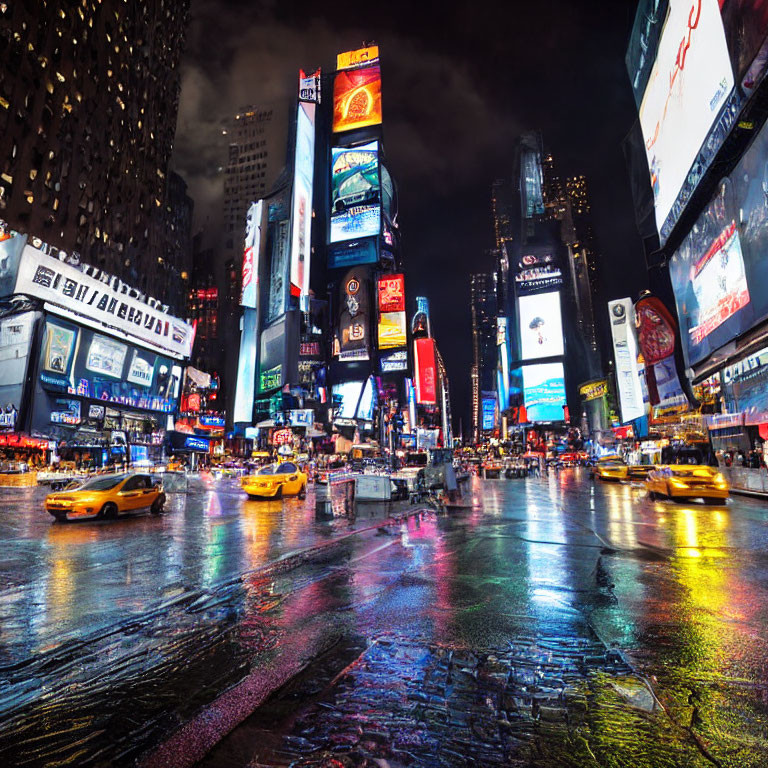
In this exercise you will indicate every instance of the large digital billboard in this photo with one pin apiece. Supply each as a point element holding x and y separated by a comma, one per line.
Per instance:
<point>689,83</point>
<point>425,371</point>
<point>541,325</point>
<point>718,272</point>
<point>301,216</point>
<point>249,294</point>
<point>15,342</point>
<point>622,318</point>
<point>544,392</point>
<point>246,369</point>
<point>488,411</point>
<point>352,339</point>
<point>392,293</point>
<point>357,98</point>
<point>66,286</point>
<point>355,192</point>
<point>745,387</point>
<point>392,330</point>
<point>81,362</point>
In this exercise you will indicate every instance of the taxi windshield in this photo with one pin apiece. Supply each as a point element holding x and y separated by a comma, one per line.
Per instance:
<point>102,483</point>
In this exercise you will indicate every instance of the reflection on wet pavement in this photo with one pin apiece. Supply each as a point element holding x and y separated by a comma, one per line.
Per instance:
<point>563,622</point>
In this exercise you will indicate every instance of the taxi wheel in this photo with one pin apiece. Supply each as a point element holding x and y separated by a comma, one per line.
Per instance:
<point>60,518</point>
<point>278,493</point>
<point>108,511</point>
<point>303,491</point>
<point>652,495</point>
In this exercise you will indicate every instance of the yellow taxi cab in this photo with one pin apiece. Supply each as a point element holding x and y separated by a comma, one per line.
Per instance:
<point>106,496</point>
<point>611,467</point>
<point>274,482</point>
<point>686,481</point>
<point>639,471</point>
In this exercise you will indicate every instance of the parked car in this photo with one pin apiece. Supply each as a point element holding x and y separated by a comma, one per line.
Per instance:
<point>106,496</point>
<point>685,481</point>
<point>274,482</point>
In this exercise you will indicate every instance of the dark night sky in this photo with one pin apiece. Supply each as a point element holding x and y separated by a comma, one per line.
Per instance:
<point>460,83</point>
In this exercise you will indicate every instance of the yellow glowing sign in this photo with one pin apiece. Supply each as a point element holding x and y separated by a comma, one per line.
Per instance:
<point>360,57</point>
<point>392,330</point>
<point>357,99</point>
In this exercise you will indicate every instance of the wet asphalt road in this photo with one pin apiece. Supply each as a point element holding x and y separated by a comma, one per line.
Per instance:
<point>558,622</point>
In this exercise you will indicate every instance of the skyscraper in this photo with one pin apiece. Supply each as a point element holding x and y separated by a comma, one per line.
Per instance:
<point>88,101</point>
<point>257,142</point>
<point>484,307</point>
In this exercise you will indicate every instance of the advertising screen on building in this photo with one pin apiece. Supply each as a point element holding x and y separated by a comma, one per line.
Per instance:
<point>346,397</point>
<point>541,325</point>
<point>392,293</point>
<point>351,341</point>
<point>488,415</point>
<point>246,369</point>
<point>64,285</point>
<point>358,58</point>
<point>301,217</point>
<point>357,98</point>
<point>249,293</point>
<point>392,362</point>
<point>11,247</point>
<point>745,387</point>
<point>544,392</point>
<point>718,273</point>
<point>622,318</point>
<point>352,252</point>
<point>15,341</point>
<point>425,371</point>
<point>80,362</point>
<point>272,354</point>
<point>355,192</point>
<point>710,284</point>
<point>689,83</point>
<point>392,330</point>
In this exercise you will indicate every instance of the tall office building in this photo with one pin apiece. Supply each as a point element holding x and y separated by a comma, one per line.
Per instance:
<point>555,196</point>
<point>88,100</point>
<point>257,141</point>
<point>484,307</point>
<point>502,207</point>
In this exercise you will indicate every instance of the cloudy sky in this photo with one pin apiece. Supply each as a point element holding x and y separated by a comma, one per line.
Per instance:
<point>460,81</point>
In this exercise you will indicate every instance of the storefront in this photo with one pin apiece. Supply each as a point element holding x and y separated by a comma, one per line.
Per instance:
<point>90,372</point>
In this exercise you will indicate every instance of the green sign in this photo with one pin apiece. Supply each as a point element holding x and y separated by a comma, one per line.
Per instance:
<point>272,378</point>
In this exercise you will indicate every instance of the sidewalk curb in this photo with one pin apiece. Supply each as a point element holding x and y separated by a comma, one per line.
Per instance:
<point>193,739</point>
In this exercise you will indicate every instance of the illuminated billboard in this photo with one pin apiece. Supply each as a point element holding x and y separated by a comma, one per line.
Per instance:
<point>246,369</point>
<point>351,252</point>
<point>301,215</point>
<point>541,325</point>
<point>354,400</point>
<point>249,294</point>
<point>622,317</point>
<point>488,411</point>
<point>425,371</point>
<point>392,330</point>
<point>544,392</point>
<point>355,192</point>
<point>392,362</point>
<point>392,293</point>
<point>718,272</point>
<point>15,342</point>
<point>357,98</point>
<point>689,83</point>
<point>351,341</point>
<point>359,58</point>
<point>80,362</point>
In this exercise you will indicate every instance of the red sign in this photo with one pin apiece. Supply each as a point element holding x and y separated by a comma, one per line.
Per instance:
<point>309,349</point>
<point>426,371</point>
<point>656,330</point>
<point>282,437</point>
<point>193,402</point>
<point>392,293</point>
